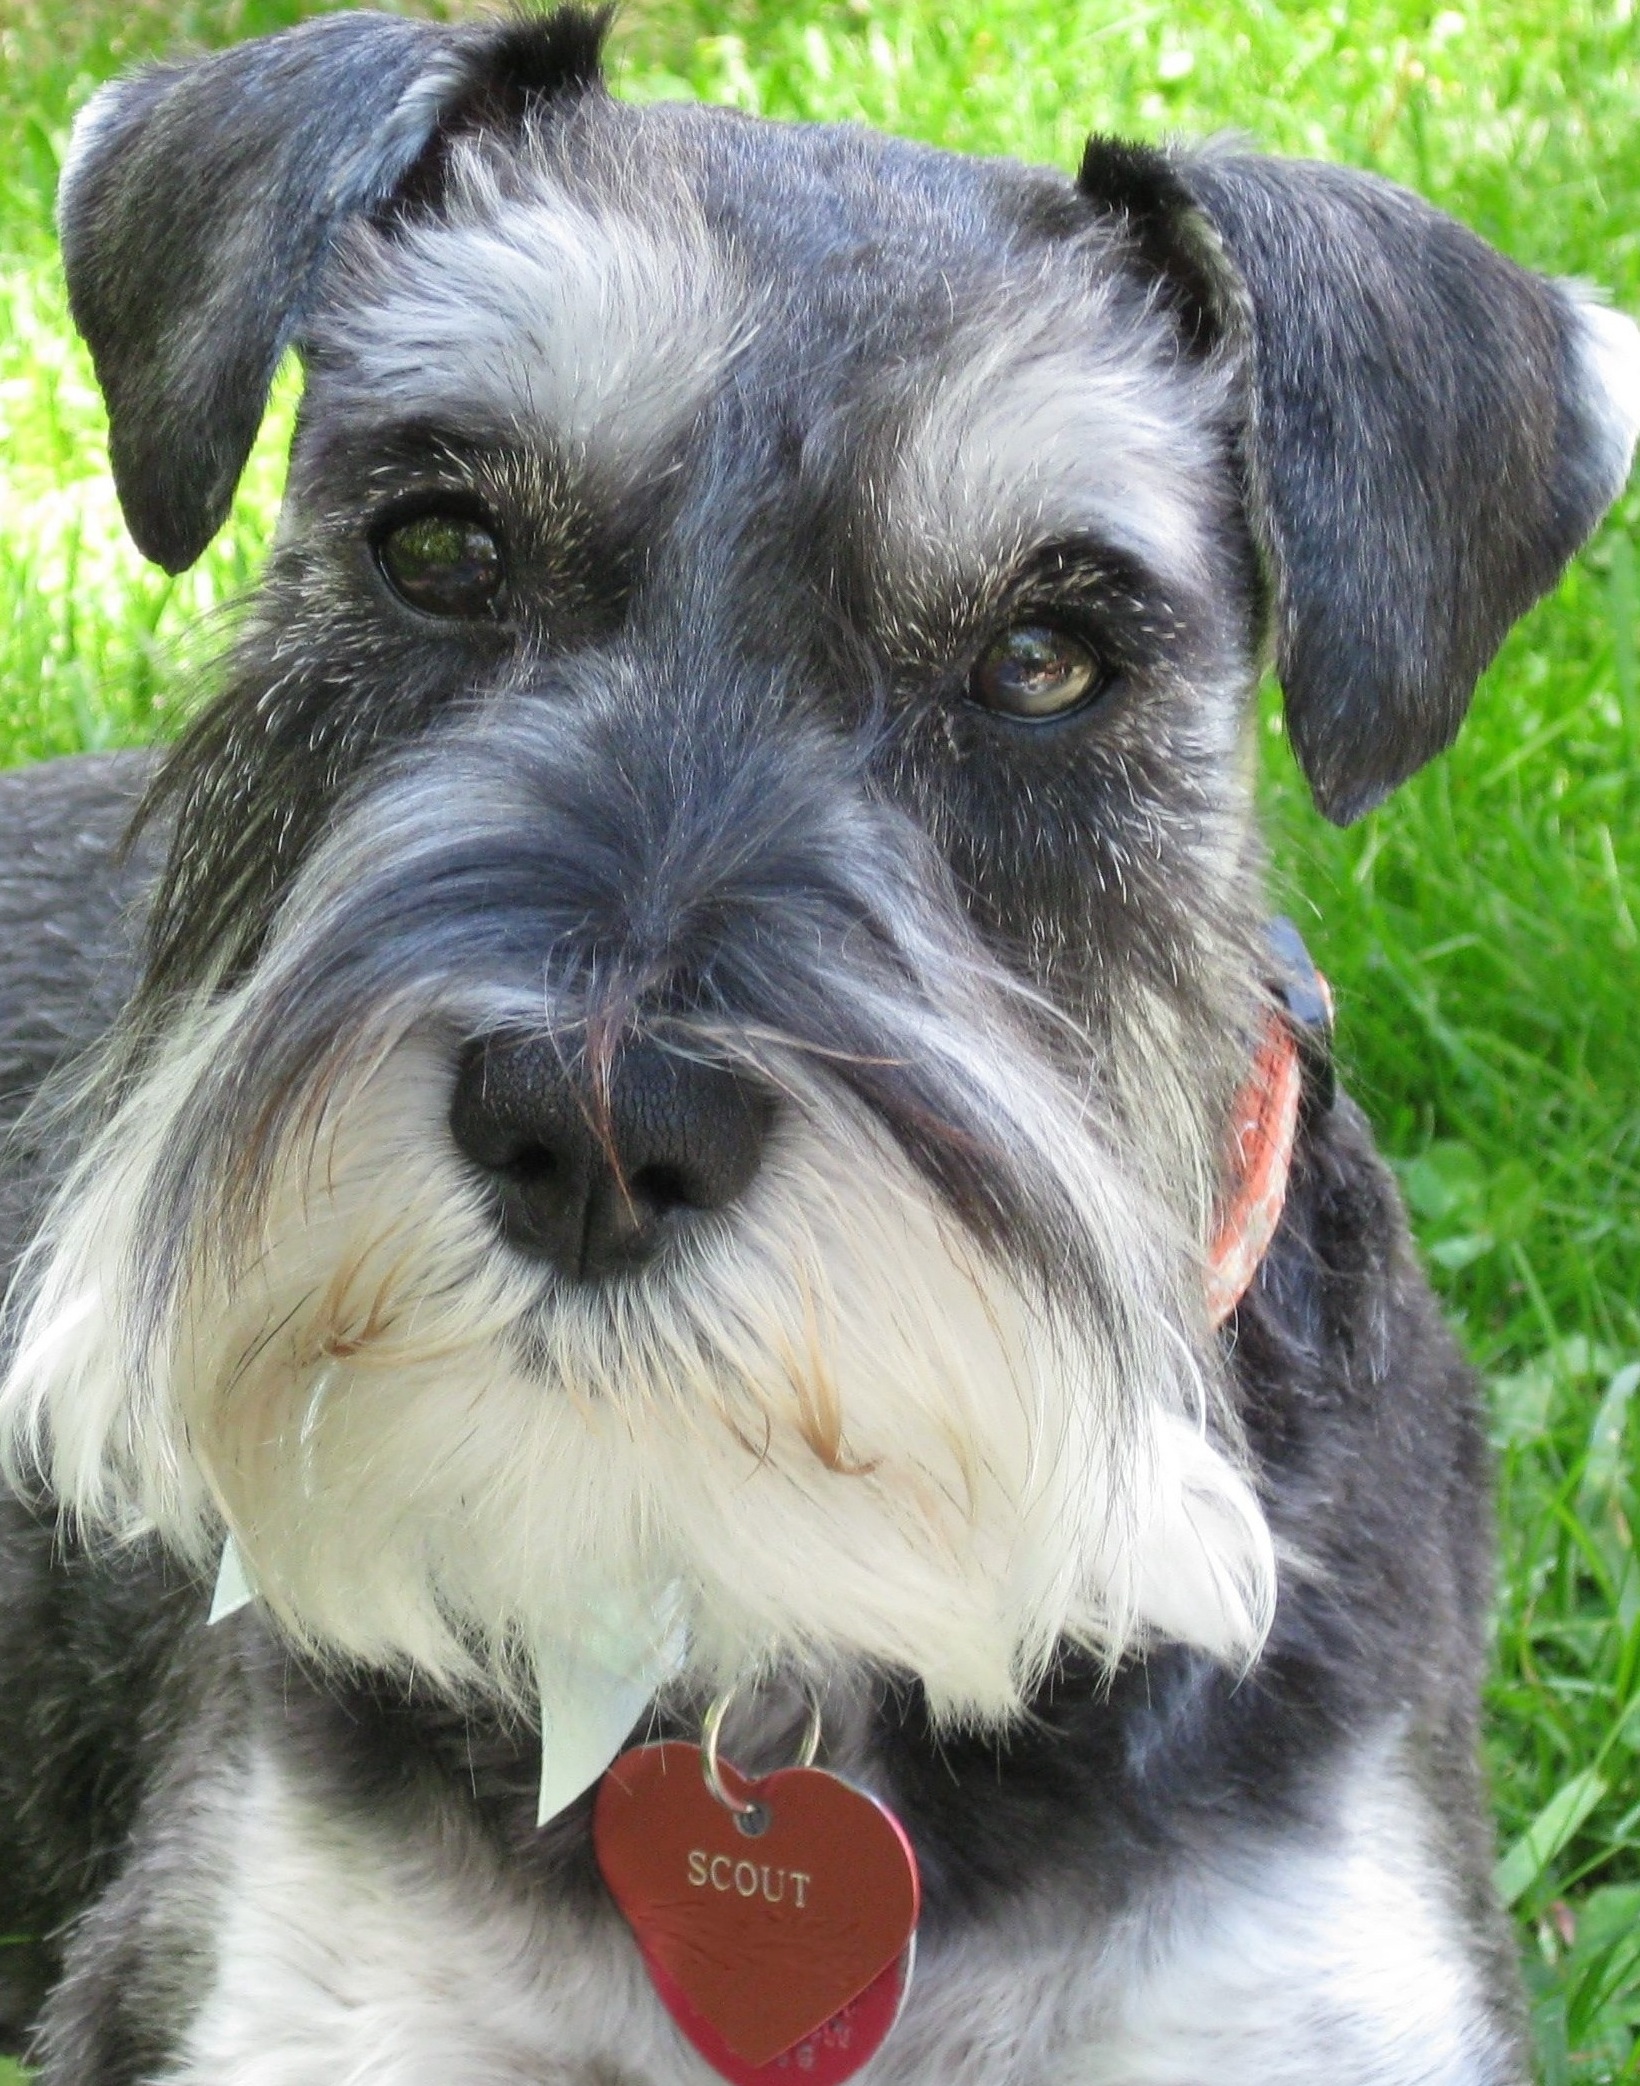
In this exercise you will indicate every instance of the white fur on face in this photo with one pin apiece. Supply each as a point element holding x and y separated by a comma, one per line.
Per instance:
<point>592,325</point>
<point>834,1424</point>
<point>1083,425</point>
<point>837,1427</point>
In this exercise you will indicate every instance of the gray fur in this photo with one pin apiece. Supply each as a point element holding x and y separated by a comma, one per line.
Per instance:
<point>189,270</point>
<point>1427,452</point>
<point>70,924</point>
<point>712,780</point>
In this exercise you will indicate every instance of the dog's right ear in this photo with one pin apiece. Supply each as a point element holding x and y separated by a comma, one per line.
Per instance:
<point>1431,432</point>
<point>199,202</point>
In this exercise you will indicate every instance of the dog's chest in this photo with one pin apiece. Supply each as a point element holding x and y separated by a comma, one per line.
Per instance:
<point>344,1951</point>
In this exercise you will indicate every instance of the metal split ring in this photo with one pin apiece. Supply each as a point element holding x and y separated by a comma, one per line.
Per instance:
<point>749,1816</point>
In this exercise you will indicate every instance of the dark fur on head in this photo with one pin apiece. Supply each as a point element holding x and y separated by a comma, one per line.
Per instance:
<point>1406,381</point>
<point>779,450</point>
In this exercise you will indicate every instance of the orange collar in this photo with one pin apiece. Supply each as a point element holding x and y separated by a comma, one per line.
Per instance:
<point>1263,1126</point>
<point>1264,1121</point>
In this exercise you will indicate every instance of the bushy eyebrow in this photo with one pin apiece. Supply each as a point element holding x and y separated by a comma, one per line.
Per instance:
<point>586,326</point>
<point>1067,436</point>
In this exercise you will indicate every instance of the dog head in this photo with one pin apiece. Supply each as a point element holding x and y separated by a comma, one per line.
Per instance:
<point>712,930</point>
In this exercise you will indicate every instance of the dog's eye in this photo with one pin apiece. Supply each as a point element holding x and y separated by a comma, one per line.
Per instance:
<point>443,564</point>
<point>1034,671</point>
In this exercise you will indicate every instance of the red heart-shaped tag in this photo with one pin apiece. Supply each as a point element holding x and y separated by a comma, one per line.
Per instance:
<point>826,2056</point>
<point>767,1938</point>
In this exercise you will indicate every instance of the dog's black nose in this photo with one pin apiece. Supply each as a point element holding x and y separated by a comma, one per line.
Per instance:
<point>595,1190</point>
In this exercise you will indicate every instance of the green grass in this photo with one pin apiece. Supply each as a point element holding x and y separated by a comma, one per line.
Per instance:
<point>1483,932</point>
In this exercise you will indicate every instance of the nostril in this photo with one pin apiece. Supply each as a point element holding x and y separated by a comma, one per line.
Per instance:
<point>534,1163</point>
<point>663,1188</point>
<point>511,1109</point>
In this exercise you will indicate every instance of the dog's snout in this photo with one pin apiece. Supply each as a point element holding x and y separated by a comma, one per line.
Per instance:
<point>594,1181</point>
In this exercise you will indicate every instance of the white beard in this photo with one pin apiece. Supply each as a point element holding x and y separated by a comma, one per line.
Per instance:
<point>828,1421</point>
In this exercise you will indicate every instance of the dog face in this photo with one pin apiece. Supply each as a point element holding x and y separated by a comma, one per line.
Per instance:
<point>712,931</point>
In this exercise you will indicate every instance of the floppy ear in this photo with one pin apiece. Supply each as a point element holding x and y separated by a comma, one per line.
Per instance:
<point>1432,433</point>
<point>199,202</point>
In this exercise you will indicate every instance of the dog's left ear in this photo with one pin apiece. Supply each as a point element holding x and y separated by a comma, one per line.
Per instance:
<point>1432,432</point>
<point>199,202</point>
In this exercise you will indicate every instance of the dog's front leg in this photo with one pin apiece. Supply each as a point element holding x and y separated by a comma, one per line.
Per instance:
<point>1342,1948</point>
<point>287,1939</point>
<point>1346,1951</point>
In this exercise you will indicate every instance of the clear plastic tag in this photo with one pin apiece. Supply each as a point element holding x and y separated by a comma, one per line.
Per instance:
<point>233,1585</point>
<point>593,1689</point>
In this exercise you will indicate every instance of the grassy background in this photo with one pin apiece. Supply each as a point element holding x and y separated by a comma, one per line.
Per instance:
<point>1483,932</point>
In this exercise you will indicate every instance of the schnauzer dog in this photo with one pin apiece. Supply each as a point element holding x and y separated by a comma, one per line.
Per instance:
<point>685,1084</point>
